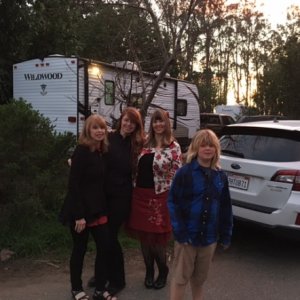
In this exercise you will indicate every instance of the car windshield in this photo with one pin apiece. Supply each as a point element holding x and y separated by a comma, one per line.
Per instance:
<point>261,147</point>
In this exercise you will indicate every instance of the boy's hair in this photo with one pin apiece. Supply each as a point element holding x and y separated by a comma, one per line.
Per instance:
<point>85,136</point>
<point>160,114</point>
<point>205,137</point>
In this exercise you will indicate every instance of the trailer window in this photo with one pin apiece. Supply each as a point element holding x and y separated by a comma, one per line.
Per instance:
<point>109,92</point>
<point>181,110</point>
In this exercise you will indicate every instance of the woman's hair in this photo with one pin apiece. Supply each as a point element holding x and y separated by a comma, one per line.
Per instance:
<point>160,114</point>
<point>202,138</point>
<point>138,135</point>
<point>85,136</point>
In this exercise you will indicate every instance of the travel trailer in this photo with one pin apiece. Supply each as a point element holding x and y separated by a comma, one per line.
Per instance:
<point>235,111</point>
<point>68,89</point>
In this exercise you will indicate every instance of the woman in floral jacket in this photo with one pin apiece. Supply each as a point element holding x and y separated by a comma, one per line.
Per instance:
<point>149,220</point>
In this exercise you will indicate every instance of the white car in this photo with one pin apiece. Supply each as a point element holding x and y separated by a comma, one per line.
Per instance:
<point>262,161</point>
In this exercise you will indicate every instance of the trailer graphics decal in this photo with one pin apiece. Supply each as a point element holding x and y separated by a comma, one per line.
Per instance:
<point>43,76</point>
<point>43,87</point>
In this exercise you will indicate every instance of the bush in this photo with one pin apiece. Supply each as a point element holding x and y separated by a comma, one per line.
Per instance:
<point>34,173</point>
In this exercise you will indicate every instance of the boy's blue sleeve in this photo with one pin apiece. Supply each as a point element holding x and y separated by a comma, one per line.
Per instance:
<point>175,206</point>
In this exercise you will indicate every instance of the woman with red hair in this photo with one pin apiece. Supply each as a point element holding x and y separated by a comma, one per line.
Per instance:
<point>125,144</point>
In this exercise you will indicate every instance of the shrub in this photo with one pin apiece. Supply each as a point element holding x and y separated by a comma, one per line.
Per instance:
<point>33,172</point>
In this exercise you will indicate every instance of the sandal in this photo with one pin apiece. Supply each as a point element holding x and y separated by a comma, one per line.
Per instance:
<point>79,295</point>
<point>103,295</point>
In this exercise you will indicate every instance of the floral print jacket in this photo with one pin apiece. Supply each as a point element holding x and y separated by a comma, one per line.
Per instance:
<point>165,163</point>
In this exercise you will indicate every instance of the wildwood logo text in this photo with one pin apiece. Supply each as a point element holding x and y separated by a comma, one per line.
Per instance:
<point>43,76</point>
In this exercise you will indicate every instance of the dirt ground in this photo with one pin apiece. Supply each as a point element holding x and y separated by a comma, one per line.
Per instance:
<point>43,279</point>
<point>252,268</point>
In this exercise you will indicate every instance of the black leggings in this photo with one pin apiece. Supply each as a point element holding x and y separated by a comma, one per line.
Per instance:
<point>119,209</point>
<point>80,242</point>
<point>155,254</point>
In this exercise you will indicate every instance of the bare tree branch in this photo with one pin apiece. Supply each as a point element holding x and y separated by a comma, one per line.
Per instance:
<point>172,56</point>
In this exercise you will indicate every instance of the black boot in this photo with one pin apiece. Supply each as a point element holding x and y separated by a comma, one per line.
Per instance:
<point>149,279</point>
<point>161,261</point>
<point>149,263</point>
<point>161,280</point>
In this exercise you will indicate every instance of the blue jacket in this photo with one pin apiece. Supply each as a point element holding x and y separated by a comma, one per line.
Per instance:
<point>194,219</point>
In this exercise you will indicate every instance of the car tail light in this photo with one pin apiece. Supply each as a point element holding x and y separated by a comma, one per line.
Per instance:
<point>288,176</point>
<point>297,222</point>
<point>71,119</point>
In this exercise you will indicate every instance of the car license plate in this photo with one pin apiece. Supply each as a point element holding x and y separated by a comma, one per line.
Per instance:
<point>237,181</point>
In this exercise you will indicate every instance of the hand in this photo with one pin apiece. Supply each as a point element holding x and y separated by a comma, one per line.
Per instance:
<point>80,225</point>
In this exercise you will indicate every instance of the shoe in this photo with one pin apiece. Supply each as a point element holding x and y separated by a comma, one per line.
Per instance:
<point>103,295</point>
<point>149,279</point>
<point>80,295</point>
<point>161,280</point>
<point>92,282</point>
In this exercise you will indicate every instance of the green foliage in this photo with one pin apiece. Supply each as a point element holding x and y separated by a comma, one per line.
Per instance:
<point>39,237</point>
<point>33,174</point>
<point>114,32</point>
<point>279,91</point>
<point>54,28</point>
<point>207,95</point>
<point>128,242</point>
<point>13,40</point>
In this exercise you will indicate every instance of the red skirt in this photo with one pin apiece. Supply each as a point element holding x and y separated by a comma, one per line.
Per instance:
<point>149,220</point>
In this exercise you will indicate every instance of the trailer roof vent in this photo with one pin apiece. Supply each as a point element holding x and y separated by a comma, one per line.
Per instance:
<point>167,75</point>
<point>126,64</point>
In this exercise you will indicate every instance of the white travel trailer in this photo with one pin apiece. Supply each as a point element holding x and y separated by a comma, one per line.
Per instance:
<point>234,111</point>
<point>67,89</point>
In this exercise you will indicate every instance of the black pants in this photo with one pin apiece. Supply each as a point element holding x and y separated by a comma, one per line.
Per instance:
<point>119,209</point>
<point>100,234</point>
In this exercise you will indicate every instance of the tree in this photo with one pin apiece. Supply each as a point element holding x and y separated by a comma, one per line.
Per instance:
<point>120,32</point>
<point>14,22</point>
<point>169,52</point>
<point>34,29</point>
<point>54,28</point>
<point>279,92</point>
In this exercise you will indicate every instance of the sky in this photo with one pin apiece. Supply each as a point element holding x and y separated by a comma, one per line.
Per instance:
<point>276,10</point>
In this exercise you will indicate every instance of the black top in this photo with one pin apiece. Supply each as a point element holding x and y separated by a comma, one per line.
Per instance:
<point>119,175</point>
<point>145,171</point>
<point>86,198</point>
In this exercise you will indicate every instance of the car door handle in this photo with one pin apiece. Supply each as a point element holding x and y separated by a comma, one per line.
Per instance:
<point>235,166</point>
